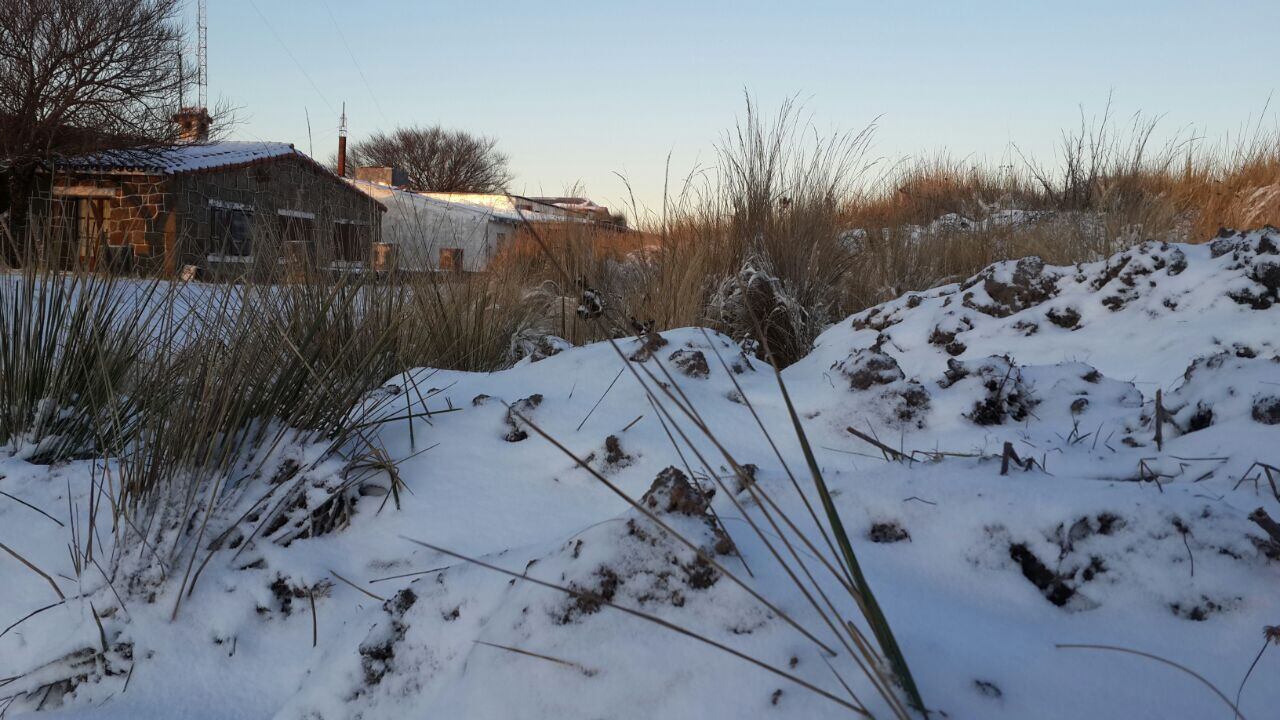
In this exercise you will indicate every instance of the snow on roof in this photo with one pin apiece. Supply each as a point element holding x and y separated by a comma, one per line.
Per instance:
<point>179,159</point>
<point>495,206</point>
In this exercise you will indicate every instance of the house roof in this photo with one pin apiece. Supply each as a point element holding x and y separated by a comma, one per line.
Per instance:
<point>181,159</point>
<point>194,158</point>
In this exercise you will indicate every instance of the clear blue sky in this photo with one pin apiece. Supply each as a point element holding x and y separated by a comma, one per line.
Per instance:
<point>575,92</point>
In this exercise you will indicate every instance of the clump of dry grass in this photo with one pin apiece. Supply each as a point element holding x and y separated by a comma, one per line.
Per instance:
<point>184,392</point>
<point>756,236</point>
<point>810,213</point>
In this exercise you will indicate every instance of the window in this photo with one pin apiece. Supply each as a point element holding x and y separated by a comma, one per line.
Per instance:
<point>230,231</point>
<point>348,242</point>
<point>451,259</point>
<point>296,229</point>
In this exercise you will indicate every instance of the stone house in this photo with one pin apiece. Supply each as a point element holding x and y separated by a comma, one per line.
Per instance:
<point>206,210</point>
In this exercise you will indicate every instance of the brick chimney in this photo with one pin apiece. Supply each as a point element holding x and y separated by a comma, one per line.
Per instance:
<point>193,124</point>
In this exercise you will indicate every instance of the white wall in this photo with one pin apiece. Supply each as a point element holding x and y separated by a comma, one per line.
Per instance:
<point>420,225</point>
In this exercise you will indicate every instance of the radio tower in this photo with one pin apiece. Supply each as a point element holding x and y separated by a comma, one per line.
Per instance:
<point>202,54</point>
<point>193,122</point>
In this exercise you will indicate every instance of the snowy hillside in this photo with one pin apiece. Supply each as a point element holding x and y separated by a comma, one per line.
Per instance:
<point>1095,535</point>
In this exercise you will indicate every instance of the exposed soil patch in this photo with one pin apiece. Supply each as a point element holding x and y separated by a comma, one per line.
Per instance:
<point>614,456</point>
<point>523,406</point>
<point>672,492</point>
<point>1067,317</point>
<point>989,689</point>
<point>589,600</point>
<point>1266,409</point>
<point>1012,290</point>
<point>887,532</point>
<point>1007,397</point>
<point>692,363</point>
<point>867,368</point>
<point>1199,610</point>
<point>1051,585</point>
<point>377,656</point>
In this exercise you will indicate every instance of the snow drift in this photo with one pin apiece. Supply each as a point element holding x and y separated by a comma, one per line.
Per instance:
<point>1095,534</point>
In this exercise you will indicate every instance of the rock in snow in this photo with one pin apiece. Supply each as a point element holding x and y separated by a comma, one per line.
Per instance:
<point>1104,538</point>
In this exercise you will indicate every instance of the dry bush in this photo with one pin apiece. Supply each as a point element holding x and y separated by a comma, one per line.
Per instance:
<point>752,247</point>
<point>939,219</point>
<point>791,230</point>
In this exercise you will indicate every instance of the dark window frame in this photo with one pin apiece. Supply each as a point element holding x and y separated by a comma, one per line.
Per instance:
<point>350,243</point>
<point>230,231</point>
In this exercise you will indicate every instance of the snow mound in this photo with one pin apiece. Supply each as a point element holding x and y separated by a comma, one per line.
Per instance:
<point>994,447</point>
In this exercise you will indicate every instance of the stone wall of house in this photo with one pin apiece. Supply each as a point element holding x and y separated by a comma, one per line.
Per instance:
<point>134,213</point>
<point>267,189</point>
<point>163,223</point>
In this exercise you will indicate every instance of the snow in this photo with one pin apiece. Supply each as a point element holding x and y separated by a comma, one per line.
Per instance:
<point>178,159</point>
<point>1142,547</point>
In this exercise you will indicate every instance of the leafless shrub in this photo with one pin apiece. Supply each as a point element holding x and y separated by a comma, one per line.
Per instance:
<point>83,75</point>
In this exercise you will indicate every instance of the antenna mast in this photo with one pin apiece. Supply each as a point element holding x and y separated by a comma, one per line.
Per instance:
<point>342,142</point>
<point>202,54</point>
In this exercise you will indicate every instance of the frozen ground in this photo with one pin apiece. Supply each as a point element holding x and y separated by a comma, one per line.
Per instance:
<point>1105,539</point>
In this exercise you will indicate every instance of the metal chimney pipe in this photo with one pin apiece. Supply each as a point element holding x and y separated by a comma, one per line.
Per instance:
<point>342,143</point>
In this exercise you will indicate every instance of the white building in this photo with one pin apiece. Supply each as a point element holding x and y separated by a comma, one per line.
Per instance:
<point>457,231</point>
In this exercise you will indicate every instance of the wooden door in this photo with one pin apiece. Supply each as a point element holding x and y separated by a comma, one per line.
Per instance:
<point>91,231</point>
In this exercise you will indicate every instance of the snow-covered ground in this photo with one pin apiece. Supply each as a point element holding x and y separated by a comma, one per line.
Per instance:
<point>1106,539</point>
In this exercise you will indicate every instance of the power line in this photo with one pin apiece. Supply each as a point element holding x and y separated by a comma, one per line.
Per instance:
<point>288,52</point>
<point>356,62</point>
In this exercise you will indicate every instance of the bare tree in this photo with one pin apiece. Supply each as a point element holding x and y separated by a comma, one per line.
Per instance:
<point>435,159</point>
<point>80,75</point>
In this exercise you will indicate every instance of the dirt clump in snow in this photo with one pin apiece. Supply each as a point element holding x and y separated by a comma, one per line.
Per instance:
<point>865,368</point>
<point>1224,386</point>
<point>521,407</point>
<point>1266,409</point>
<point>671,492</point>
<point>897,400</point>
<point>589,600</point>
<point>1200,609</point>
<point>378,651</point>
<point>648,339</point>
<point>285,592</point>
<point>888,532</point>
<point>615,458</point>
<point>1067,317</point>
<point>1010,287</point>
<point>1004,394</point>
<point>1256,256</point>
<point>944,333</point>
<point>692,363</point>
<point>1058,587</point>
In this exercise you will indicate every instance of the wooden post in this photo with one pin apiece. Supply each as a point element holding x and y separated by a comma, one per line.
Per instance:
<point>1004,458</point>
<point>296,261</point>
<point>1159,420</point>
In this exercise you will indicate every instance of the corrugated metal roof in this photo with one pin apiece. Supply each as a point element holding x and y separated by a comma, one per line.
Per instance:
<point>179,159</point>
